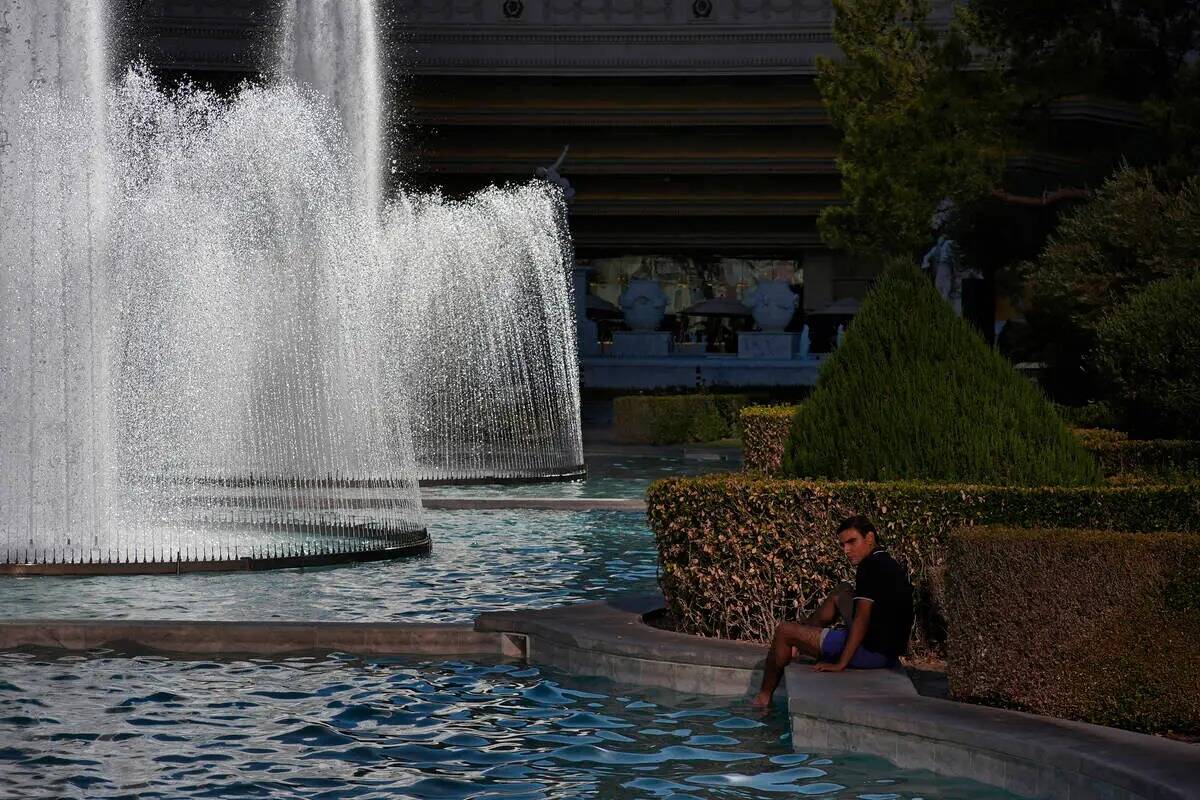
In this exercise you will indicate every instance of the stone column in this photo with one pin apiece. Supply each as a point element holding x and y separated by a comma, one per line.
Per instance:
<point>586,333</point>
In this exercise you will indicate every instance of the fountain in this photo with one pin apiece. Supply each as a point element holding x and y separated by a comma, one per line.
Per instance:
<point>223,347</point>
<point>483,367</point>
<point>485,343</point>
<point>56,456</point>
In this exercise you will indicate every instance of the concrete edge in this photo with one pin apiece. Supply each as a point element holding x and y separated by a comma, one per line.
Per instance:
<point>610,639</point>
<point>1025,754</point>
<point>259,638</point>
<point>875,711</point>
<point>440,503</point>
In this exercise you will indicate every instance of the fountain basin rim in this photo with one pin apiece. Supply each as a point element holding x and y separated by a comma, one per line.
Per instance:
<point>576,473</point>
<point>421,547</point>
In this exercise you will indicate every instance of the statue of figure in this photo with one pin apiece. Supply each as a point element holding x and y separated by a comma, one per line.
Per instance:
<point>644,304</point>
<point>773,304</point>
<point>943,260</point>
<point>948,273</point>
<point>841,336</point>
<point>805,342</point>
<point>552,175</point>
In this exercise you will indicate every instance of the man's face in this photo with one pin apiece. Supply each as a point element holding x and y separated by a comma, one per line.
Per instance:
<point>856,546</point>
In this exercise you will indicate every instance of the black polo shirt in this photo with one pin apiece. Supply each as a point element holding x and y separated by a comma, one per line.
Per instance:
<point>884,582</point>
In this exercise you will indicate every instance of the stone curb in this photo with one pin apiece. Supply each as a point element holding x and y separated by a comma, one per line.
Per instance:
<point>609,639</point>
<point>875,711</point>
<point>258,638</point>
<point>1024,753</point>
<point>437,503</point>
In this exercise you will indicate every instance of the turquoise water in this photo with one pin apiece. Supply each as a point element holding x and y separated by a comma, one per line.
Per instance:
<point>108,726</point>
<point>481,561</point>
<point>608,476</point>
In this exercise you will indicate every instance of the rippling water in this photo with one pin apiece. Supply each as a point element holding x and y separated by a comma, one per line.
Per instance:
<point>107,726</point>
<point>481,561</point>
<point>608,476</point>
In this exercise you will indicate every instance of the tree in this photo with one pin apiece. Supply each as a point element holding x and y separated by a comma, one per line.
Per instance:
<point>1148,351</point>
<point>1140,52</point>
<point>927,114</point>
<point>915,393</point>
<point>919,122</point>
<point>1130,234</point>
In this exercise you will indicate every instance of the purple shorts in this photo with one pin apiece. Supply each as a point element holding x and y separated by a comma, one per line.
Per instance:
<point>833,641</point>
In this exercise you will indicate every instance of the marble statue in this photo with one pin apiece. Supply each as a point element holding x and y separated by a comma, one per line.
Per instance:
<point>943,261</point>
<point>552,175</point>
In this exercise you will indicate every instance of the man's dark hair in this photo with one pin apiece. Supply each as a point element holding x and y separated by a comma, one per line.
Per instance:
<point>861,524</point>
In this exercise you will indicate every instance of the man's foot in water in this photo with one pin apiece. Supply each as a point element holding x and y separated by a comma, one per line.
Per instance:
<point>761,700</point>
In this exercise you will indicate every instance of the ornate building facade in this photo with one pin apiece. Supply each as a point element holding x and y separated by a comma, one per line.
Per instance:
<point>699,149</point>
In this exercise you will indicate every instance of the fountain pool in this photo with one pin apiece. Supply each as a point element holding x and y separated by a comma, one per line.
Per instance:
<point>107,725</point>
<point>481,561</point>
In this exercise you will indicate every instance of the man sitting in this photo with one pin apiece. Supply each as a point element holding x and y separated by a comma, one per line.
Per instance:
<point>878,616</point>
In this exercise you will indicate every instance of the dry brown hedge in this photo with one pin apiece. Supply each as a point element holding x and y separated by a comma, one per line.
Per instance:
<point>764,437</point>
<point>740,553</point>
<point>1088,625</point>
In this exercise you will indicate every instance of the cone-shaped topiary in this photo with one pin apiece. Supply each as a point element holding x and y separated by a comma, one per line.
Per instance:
<point>915,393</point>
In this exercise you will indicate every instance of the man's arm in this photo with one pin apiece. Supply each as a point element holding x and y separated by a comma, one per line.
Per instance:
<point>858,632</point>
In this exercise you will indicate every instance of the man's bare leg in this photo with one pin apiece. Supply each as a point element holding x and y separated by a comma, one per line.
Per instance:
<point>806,639</point>
<point>825,615</point>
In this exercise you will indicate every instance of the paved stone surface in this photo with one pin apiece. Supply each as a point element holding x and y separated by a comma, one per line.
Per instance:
<point>258,638</point>
<point>537,503</point>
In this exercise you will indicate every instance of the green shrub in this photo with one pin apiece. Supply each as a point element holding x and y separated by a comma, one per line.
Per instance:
<point>1130,234</point>
<point>915,393</point>
<point>740,553</point>
<point>1094,415</point>
<point>1148,352</point>
<point>1123,458</point>
<point>676,419</point>
<point>1086,625</point>
<point>764,437</point>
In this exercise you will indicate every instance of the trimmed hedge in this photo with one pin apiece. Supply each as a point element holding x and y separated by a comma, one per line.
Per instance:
<point>764,437</point>
<point>1120,456</point>
<point>740,553</point>
<point>677,419</point>
<point>914,393</point>
<point>764,433</point>
<point>1088,625</point>
<point>1092,415</point>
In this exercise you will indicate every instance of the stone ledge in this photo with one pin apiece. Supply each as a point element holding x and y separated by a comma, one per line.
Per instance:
<point>258,638</point>
<point>610,639</point>
<point>442,503</point>
<point>881,713</point>
<point>873,711</point>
